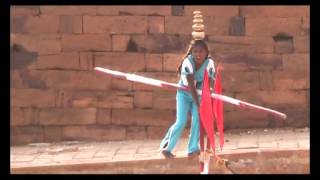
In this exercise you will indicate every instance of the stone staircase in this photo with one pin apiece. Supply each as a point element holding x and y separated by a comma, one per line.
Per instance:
<point>272,152</point>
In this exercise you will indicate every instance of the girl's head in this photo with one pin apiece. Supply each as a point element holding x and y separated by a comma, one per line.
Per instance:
<point>198,49</point>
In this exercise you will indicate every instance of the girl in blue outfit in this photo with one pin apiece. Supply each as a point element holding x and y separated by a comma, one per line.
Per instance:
<point>191,72</point>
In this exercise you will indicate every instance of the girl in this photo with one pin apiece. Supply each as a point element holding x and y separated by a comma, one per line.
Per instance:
<point>191,72</point>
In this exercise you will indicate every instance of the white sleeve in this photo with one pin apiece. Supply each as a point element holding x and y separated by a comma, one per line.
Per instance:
<point>211,69</point>
<point>186,69</point>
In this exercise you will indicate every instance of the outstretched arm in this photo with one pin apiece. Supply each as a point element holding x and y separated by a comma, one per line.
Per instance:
<point>193,89</point>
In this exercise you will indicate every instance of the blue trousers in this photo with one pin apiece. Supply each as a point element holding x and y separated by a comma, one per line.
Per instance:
<point>185,104</point>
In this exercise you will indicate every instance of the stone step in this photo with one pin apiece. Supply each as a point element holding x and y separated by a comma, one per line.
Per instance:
<point>246,161</point>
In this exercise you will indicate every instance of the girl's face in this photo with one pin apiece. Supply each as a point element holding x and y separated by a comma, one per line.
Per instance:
<point>199,53</point>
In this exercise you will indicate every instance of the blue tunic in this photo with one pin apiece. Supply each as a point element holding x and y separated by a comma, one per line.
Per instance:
<point>189,67</point>
<point>185,103</point>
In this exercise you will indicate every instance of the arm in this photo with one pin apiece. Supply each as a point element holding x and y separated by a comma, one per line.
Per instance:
<point>193,89</point>
<point>213,80</point>
<point>187,72</point>
<point>211,84</point>
<point>212,74</point>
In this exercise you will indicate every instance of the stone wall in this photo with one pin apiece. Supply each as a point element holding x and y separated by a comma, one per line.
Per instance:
<point>56,95</point>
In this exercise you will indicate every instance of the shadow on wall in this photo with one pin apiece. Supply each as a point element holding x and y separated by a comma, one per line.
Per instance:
<point>20,58</point>
<point>158,43</point>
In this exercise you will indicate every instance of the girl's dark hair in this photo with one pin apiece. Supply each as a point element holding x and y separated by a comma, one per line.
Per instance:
<point>193,44</point>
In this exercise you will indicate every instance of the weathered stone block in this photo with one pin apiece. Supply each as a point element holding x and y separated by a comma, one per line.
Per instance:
<point>266,80</point>
<point>171,62</point>
<point>284,46</point>
<point>26,79</point>
<point>67,116</point>
<point>94,133</point>
<point>136,132</point>
<point>142,117</point>
<point>69,10</point>
<point>164,100</point>
<point>52,133</point>
<point>301,44</point>
<point>21,60</point>
<point>237,26</point>
<point>59,61</point>
<point>39,43</point>
<point>16,80</point>
<point>296,62</point>
<point>178,25</point>
<point>218,26</point>
<point>291,80</point>
<point>297,117</point>
<point>155,24</point>
<point>115,99</point>
<point>124,62</point>
<point>145,10</point>
<point>83,102</point>
<point>154,62</point>
<point>70,24</point>
<point>215,11</point>
<point>255,61</point>
<point>115,24</point>
<point>168,77</point>
<point>103,116</point>
<point>121,84</point>
<point>272,26</point>
<point>86,42</point>
<point>108,10</point>
<point>120,42</point>
<point>283,43</point>
<point>17,24</point>
<point>177,10</point>
<point>232,66</point>
<point>25,134</point>
<point>68,98</point>
<point>109,99</point>
<point>144,87</point>
<point>240,81</point>
<point>274,11</point>
<point>142,99</point>
<point>86,60</point>
<point>159,43</point>
<point>23,116</point>
<point>305,26</point>
<point>35,24</point>
<point>183,25</point>
<point>275,99</point>
<point>24,10</point>
<point>32,98</point>
<point>239,44</point>
<point>245,119</point>
<point>74,80</point>
<point>156,132</point>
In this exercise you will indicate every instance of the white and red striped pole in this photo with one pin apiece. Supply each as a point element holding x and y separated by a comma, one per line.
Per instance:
<point>164,84</point>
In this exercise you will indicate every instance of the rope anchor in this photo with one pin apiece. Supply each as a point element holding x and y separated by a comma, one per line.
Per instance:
<point>224,163</point>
